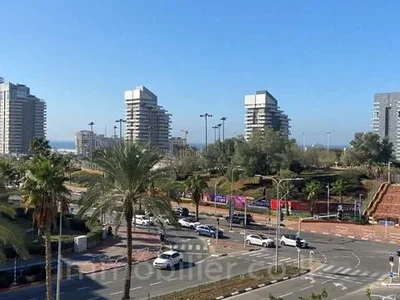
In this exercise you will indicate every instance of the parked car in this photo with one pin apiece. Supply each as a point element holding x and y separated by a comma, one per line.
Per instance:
<point>189,223</point>
<point>182,211</point>
<point>168,259</point>
<point>260,239</point>
<point>208,230</point>
<point>142,220</point>
<point>290,240</point>
<point>239,219</point>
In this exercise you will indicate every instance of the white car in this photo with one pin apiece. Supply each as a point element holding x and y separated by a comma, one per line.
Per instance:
<point>291,240</point>
<point>168,259</point>
<point>142,220</point>
<point>189,223</point>
<point>261,240</point>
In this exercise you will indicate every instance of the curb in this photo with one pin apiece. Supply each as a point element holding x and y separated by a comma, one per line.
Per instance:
<point>261,286</point>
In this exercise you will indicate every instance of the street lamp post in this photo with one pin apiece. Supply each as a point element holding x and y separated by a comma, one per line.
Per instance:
<point>120,121</point>
<point>389,179</point>
<point>59,264</point>
<point>328,135</point>
<point>223,119</point>
<point>215,198</point>
<point>219,131</point>
<point>91,143</point>
<point>206,116</point>
<point>215,133</point>
<point>278,214</point>
<point>328,196</point>
<point>232,203</point>
<point>115,132</point>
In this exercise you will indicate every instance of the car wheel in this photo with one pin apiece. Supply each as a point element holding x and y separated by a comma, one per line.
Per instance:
<point>241,222</point>
<point>198,233</point>
<point>283,243</point>
<point>264,245</point>
<point>180,262</point>
<point>213,235</point>
<point>191,227</point>
<point>248,242</point>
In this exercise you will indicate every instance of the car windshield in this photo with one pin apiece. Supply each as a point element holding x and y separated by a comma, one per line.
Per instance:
<point>264,237</point>
<point>165,256</point>
<point>212,227</point>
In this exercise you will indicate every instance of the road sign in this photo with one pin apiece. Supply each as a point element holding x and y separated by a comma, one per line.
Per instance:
<point>71,210</point>
<point>391,274</point>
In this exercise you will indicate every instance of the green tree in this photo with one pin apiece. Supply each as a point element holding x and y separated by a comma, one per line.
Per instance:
<point>219,155</point>
<point>367,149</point>
<point>40,147</point>
<point>42,186</point>
<point>10,234</point>
<point>128,171</point>
<point>313,189</point>
<point>196,184</point>
<point>262,153</point>
<point>339,188</point>
<point>322,296</point>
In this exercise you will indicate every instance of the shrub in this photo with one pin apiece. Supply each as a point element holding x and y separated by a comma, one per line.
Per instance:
<point>6,279</point>
<point>22,280</point>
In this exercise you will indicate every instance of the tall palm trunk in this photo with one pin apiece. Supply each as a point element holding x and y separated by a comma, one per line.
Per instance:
<point>49,293</point>
<point>128,218</point>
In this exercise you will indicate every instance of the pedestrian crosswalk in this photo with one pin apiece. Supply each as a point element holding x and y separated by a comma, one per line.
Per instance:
<point>190,247</point>
<point>262,255</point>
<point>348,274</point>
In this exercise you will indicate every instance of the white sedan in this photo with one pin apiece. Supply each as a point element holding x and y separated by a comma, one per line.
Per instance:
<point>261,240</point>
<point>189,223</point>
<point>142,220</point>
<point>168,259</point>
<point>293,240</point>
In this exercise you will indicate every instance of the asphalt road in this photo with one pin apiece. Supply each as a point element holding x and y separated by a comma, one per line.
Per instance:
<point>348,266</point>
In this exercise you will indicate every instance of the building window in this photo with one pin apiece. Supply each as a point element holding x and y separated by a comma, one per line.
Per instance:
<point>387,119</point>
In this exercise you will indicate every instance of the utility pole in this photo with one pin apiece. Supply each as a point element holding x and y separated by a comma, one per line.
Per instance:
<point>120,121</point>
<point>328,134</point>
<point>91,143</point>
<point>304,141</point>
<point>206,116</point>
<point>223,119</point>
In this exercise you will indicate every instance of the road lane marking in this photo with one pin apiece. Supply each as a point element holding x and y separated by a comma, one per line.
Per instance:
<point>183,247</point>
<point>175,247</point>
<point>285,259</point>
<point>375,274</point>
<point>135,288</point>
<point>116,293</point>
<point>108,282</point>
<point>307,287</point>
<point>200,261</point>
<point>172,279</point>
<point>82,288</point>
<point>338,269</point>
<point>190,247</point>
<point>205,248</point>
<point>326,281</point>
<point>148,273</point>
<point>282,296</point>
<point>355,272</point>
<point>365,273</point>
<point>198,247</point>
<point>345,271</point>
<point>155,283</point>
<point>328,268</point>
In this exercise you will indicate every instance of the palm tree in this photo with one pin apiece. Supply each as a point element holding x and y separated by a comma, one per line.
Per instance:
<point>339,188</point>
<point>128,172</point>
<point>40,146</point>
<point>42,187</point>
<point>313,189</point>
<point>10,234</point>
<point>196,184</point>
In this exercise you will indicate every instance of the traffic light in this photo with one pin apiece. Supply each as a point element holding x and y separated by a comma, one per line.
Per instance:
<point>398,253</point>
<point>282,216</point>
<point>218,221</point>
<point>298,242</point>
<point>264,192</point>
<point>391,259</point>
<point>340,215</point>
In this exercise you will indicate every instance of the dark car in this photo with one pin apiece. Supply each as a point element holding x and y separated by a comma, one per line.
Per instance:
<point>239,219</point>
<point>182,211</point>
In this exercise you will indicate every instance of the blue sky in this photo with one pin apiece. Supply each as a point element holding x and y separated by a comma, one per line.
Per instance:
<point>322,60</point>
